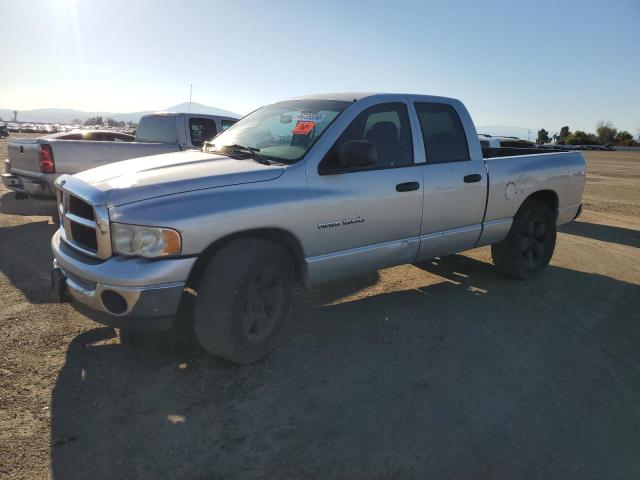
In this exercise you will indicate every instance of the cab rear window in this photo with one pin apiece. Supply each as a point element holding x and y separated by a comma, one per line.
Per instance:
<point>157,128</point>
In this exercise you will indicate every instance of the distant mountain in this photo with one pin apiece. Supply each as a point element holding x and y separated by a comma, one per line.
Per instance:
<point>199,108</point>
<point>65,115</point>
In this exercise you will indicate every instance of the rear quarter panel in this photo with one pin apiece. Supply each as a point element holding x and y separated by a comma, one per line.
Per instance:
<point>513,179</point>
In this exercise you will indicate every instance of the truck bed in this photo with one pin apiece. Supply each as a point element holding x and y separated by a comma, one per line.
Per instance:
<point>493,152</point>
<point>73,156</point>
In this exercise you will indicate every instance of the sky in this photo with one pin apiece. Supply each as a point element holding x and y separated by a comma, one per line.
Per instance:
<point>543,64</point>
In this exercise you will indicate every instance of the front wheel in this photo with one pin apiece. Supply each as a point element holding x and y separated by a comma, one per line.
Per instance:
<point>530,243</point>
<point>243,300</point>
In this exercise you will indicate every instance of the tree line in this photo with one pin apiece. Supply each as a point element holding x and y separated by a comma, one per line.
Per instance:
<point>606,134</point>
<point>100,121</point>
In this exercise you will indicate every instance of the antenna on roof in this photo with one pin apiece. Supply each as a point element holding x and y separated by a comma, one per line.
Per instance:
<point>190,92</point>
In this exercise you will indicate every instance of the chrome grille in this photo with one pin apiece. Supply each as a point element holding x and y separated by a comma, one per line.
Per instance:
<point>84,227</point>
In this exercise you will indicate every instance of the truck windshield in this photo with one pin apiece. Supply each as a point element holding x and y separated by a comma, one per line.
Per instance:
<point>283,131</point>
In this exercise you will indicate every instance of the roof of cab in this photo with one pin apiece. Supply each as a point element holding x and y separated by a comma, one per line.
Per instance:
<point>340,96</point>
<point>355,96</point>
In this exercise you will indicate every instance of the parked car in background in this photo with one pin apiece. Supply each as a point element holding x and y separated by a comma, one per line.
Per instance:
<point>34,163</point>
<point>507,142</point>
<point>309,190</point>
<point>507,146</point>
<point>4,131</point>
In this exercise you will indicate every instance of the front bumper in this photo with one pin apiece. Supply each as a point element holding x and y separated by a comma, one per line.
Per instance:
<point>28,186</point>
<point>128,293</point>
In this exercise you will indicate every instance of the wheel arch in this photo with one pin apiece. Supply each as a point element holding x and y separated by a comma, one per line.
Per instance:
<point>277,235</point>
<point>546,197</point>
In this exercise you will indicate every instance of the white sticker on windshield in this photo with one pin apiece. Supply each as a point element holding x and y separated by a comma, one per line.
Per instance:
<point>309,117</point>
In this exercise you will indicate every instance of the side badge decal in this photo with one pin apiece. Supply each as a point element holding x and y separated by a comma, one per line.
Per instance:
<point>337,223</point>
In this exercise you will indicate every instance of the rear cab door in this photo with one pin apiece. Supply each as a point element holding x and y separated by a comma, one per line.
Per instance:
<point>454,175</point>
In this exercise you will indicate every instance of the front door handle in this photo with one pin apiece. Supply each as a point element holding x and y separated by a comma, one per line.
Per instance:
<point>476,177</point>
<point>407,186</point>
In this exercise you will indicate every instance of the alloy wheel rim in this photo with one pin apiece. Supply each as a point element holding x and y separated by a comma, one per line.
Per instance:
<point>262,307</point>
<point>533,242</point>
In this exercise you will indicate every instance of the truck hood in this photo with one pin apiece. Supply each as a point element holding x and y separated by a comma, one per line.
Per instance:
<point>158,175</point>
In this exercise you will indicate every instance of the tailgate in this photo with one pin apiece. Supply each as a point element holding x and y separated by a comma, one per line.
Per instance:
<point>23,154</point>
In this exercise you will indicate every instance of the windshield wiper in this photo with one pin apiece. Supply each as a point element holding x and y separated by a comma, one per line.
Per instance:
<point>236,147</point>
<point>227,149</point>
<point>252,152</point>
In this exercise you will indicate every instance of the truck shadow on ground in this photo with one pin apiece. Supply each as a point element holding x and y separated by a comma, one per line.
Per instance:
<point>25,258</point>
<point>605,233</point>
<point>475,376</point>
<point>10,205</point>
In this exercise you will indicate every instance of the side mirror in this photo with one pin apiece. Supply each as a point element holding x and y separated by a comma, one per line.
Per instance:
<point>357,154</point>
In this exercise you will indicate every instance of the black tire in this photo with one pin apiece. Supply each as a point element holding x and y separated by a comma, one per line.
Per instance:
<point>530,243</point>
<point>243,300</point>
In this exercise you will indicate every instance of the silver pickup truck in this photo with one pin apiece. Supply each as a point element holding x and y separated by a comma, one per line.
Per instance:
<point>306,190</point>
<point>35,163</point>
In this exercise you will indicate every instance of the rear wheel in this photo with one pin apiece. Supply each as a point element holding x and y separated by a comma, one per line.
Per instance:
<point>530,243</point>
<point>243,300</point>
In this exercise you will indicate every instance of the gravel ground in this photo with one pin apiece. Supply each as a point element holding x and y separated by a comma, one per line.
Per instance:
<point>443,370</point>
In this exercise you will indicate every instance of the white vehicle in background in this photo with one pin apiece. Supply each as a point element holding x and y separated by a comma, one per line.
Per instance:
<point>490,141</point>
<point>35,163</point>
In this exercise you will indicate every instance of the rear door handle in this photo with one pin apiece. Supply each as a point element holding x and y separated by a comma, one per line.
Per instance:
<point>476,177</point>
<point>407,186</point>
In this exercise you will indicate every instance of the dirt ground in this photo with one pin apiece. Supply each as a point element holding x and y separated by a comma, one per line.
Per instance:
<point>445,370</point>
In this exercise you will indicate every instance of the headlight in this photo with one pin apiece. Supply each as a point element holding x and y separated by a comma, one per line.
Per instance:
<point>141,241</point>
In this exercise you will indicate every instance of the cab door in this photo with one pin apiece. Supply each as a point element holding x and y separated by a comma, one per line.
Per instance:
<point>367,218</point>
<point>455,180</point>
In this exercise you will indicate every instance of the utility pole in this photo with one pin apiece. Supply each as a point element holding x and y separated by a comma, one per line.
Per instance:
<point>190,93</point>
<point>529,136</point>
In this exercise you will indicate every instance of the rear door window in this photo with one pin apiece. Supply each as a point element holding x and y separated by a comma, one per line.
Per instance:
<point>201,130</point>
<point>442,132</point>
